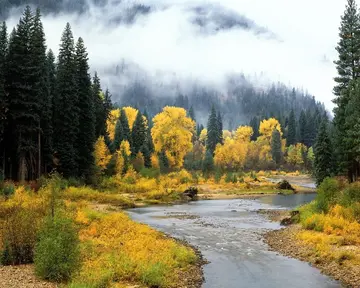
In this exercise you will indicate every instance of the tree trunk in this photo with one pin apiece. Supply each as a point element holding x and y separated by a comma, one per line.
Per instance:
<point>22,167</point>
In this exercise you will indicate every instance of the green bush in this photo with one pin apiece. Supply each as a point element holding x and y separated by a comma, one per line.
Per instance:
<point>7,190</point>
<point>328,193</point>
<point>218,175</point>
<point>57,250</point>
<point>350,195</point>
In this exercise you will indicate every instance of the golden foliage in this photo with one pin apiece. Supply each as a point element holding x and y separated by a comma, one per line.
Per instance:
<point>227,134</point>
<point>231,155</point>
<point>111,123</point>
<point>131,114</point>
<point>101,153</point>
<point>243,133</point>
<point>118,249</point>
<point>203,136</point>
<point>267,127</point>
<point>294,154</point>
<point>155,161</point>
<point>172,132</point>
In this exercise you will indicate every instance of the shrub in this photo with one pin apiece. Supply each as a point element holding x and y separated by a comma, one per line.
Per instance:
<point>350,195</point>
<point>218,175</point>
<point>7,190</point>
<point>150,172</point>
<point>228,177</point>
<point>328,192</point>
<point>57,250</point>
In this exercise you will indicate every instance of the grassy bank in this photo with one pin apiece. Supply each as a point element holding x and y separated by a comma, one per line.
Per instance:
<point>327,232</point>
<point>109,250</point>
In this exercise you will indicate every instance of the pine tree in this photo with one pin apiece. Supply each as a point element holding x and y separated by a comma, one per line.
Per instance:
<point>100,128</point>
<point>302,127</point>
<point>119,135</point>
<point>192,113</point>
<point>219,129</point>
<point>125,126</point>
<point>138,134</point>
<point>349,50</point>
<point>47,118</point>
<point>147,155</point>
<point>3,56</point>
<point>212,131</point>
<point>41,92</point>
<point>66,118</point>
<point>348,69</point>
<point>24,105</point>
<point>86,132</point>
<point>291,134</point>
<point>276,152</point>
<point>254,124</point>
<point>322,151</point>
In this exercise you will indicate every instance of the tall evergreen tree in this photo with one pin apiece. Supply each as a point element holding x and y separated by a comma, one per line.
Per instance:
<point>47,120</point>
<point>119,135</point>
<point>219,129</point>
<point>100,128</point>
<point>125,126</point>
<point>138,134</point>
<point>66,118</point>
<point>302,127</point>
<point>24,105</point>
<point>291,134</point>
<point>276,152</point>
<point>212,131</point>
<point>323,152</point>
<point>254,124</point>
<point>192,113</point>
<point>86,132</point>
<point>40,91</point>
<point>3,56</point>
<point>348,69</point>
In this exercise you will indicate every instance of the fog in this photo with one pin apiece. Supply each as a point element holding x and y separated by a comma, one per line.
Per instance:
<point>177,42</point>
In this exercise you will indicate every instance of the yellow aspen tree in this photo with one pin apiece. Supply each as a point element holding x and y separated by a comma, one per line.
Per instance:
<point>101,153</point>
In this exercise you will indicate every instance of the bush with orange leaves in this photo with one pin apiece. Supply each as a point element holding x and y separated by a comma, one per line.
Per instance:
<point>116,249</point>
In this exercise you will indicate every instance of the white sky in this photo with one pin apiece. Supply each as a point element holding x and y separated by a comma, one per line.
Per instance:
<point>166,40</point>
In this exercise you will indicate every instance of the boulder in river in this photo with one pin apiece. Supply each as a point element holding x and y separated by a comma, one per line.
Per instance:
<point>284,185</point>
<point>191,192</point>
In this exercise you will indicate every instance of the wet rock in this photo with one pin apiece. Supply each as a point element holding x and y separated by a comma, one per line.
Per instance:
<point>284,185</point>
<point>191,192</point>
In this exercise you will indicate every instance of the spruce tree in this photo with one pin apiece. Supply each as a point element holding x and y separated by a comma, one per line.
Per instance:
<point>291,134</point>
<point>347,66</point>
<point>100,128</point>
<point>276,152</point>
<point>3,56</point>
<point>125,126</point>
<point>254,124</point>
<point>119,135</point>
<point>219,129</point>
<point>47,119</point>
<point>192,113</point>
<point>212,131</point>
<point>24,105</point>
<point>147,155</point>
<point>66,118</point>
<point>86,132</point>
<point>41,92</point>
<point>302,127</point>
<point>138,134</point>
<point>323,152</point>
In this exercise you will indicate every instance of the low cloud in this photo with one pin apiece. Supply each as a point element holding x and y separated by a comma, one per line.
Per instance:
<point>180,41</point>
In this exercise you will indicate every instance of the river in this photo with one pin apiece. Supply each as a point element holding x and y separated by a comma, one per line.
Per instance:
<point>228,233</point>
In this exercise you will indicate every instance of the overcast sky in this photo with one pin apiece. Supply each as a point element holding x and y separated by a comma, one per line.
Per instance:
<point>291,41</point>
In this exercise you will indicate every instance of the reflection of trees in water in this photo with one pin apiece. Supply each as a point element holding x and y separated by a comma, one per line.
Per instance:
<point>288,201</point>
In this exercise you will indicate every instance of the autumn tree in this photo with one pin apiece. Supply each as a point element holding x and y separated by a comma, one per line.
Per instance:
<point>172,133</point>
<point>102,154</point>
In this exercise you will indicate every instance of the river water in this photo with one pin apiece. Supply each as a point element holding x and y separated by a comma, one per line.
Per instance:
<point>228,233</point>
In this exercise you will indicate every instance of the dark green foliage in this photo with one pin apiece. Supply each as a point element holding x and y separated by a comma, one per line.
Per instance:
<point>163,162</point>
<point>302,127</point>
<point>323,154</point>
<point>276,152</point>
<point>212,131</point>
<point>125,126</point>
<point>191,113</point>
<point>119,136</point>
<point>255,124</point>
<point>7,190</point>
<point>219,129</point>
<point>146,154</point>
<point>327,194</point>
<point>208,163</point>
<point>86,108</point>
<point>3,55</point>
<point>100,128</point>
<point>138,134</point>
<point>57,253</point>
<point>66,118</point>
<point>291,132</point>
